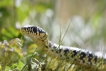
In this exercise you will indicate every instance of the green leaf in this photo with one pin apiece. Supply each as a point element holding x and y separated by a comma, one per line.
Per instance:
<point>9,33</point>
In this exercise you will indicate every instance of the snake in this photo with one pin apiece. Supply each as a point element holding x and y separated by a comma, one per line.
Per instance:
<point>77,55</point>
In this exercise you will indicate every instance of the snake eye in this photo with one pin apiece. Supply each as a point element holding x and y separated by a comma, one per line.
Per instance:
<point>34,29</point>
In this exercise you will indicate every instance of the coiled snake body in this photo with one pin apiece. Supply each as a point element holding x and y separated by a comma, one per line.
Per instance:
<point>39,36</point>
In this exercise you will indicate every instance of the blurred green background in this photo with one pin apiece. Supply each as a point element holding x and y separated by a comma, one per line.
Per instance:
<point>84,20</point>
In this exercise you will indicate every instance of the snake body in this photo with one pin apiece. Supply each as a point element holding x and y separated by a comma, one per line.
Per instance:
<point>39,36</point>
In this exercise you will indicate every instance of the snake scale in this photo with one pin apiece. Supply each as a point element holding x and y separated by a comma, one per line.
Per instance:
<point>40,37</point>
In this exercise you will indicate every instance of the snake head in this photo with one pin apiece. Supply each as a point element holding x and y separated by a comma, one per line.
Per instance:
<point>34,32</point>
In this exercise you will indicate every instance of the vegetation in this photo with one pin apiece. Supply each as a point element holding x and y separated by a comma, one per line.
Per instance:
<point>86,30</point>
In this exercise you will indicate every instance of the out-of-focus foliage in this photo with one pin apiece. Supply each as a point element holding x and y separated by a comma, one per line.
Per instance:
<point>87,30</point>
<point>10,52</point>
<point>9,33</point>
<point>6,13</point>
